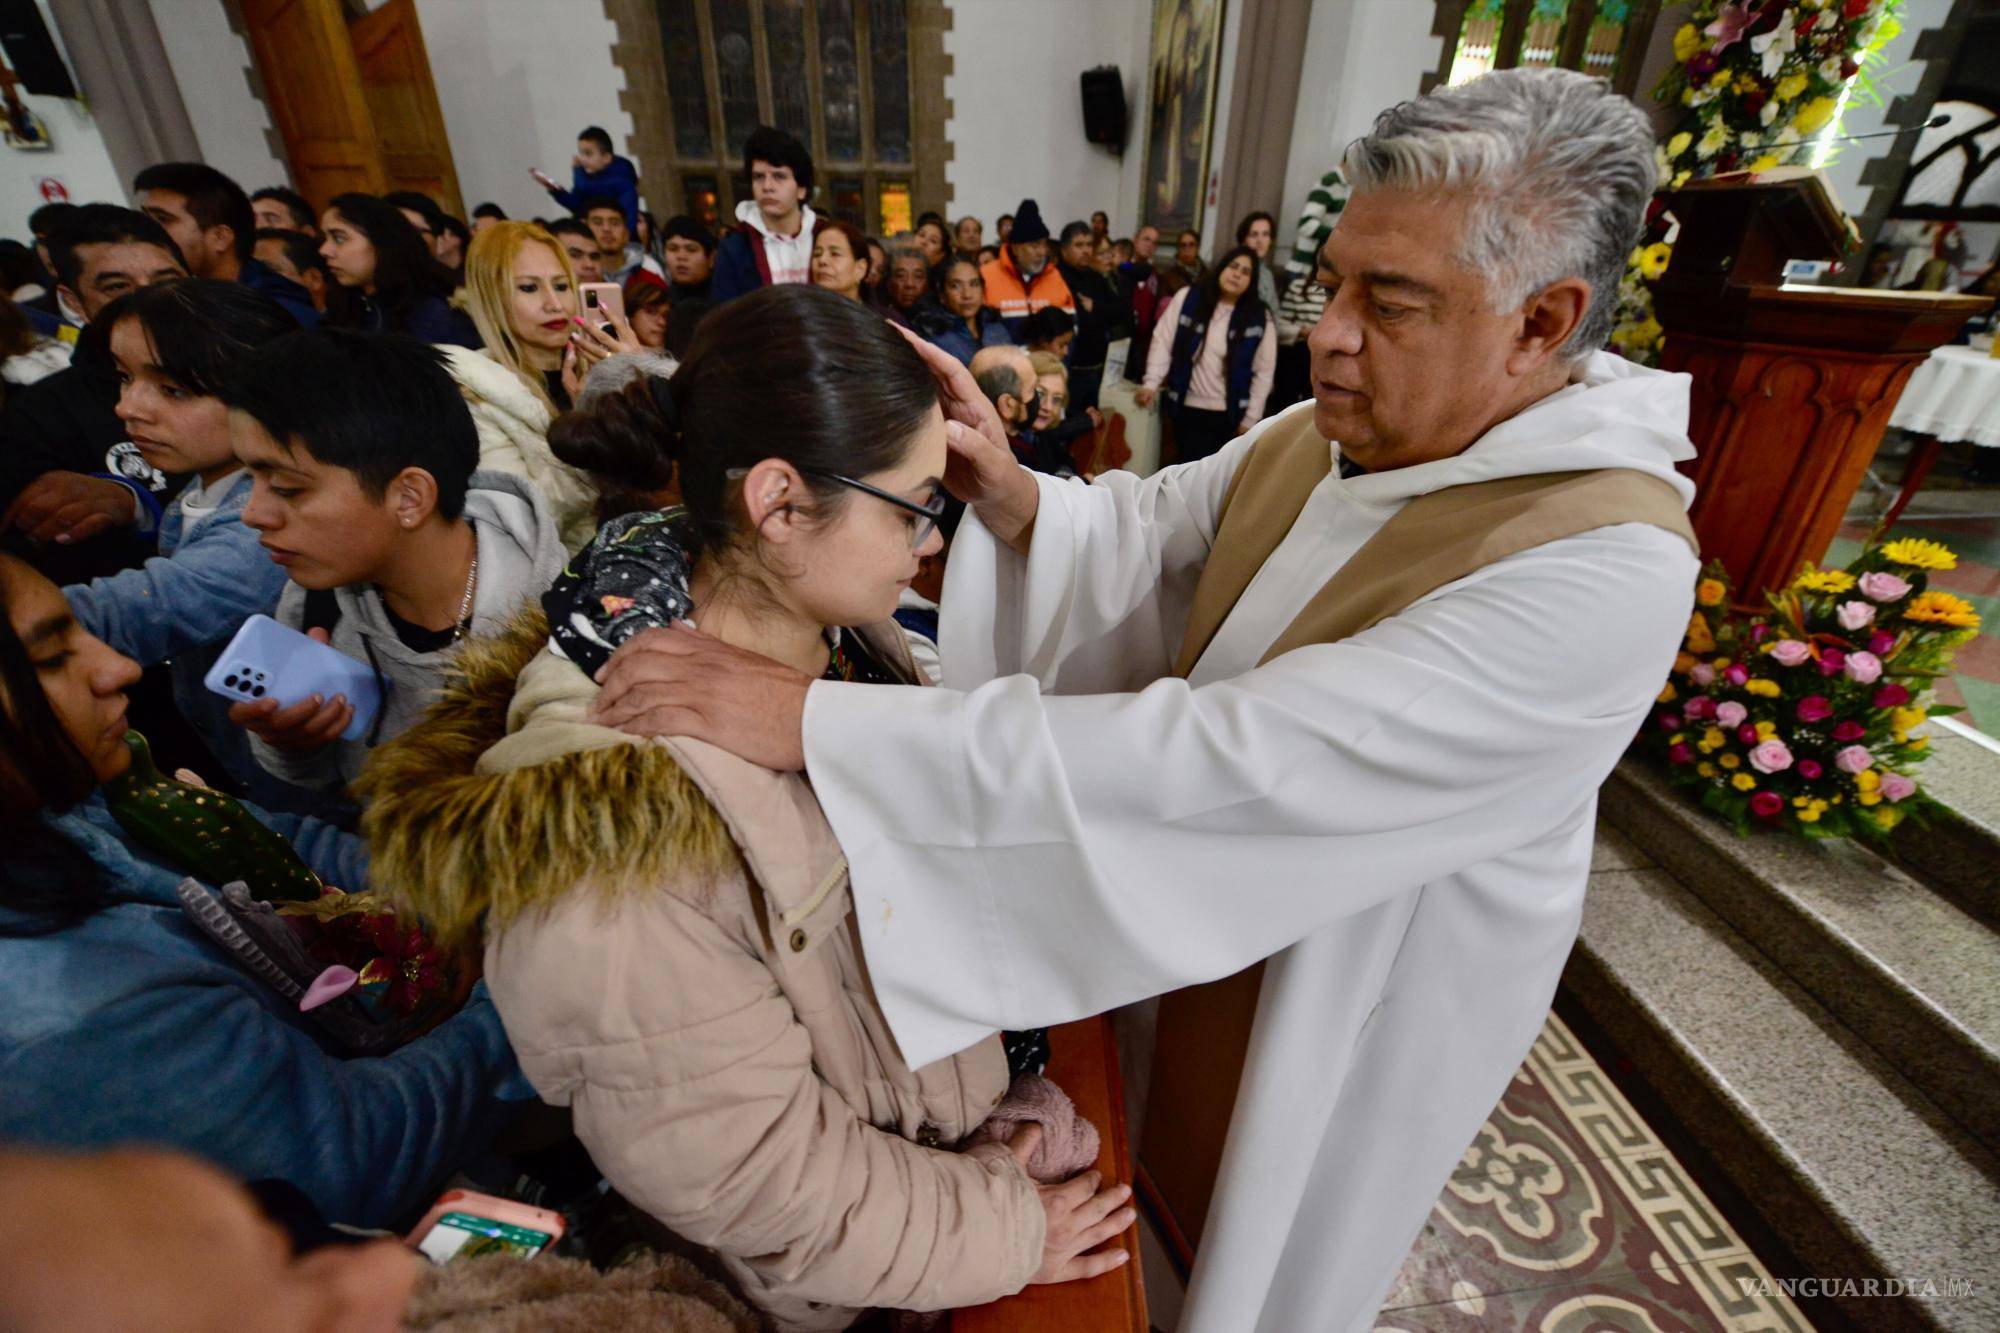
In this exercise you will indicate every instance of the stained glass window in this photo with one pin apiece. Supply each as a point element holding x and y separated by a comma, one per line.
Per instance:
<point>785,52</point>
<point>736,71</point>
<point>889,53</point>
<point>895,207</point>
<point>844,201</point>
<point>687,80</point>
<point>1602,37</point>
<point>840,80</point>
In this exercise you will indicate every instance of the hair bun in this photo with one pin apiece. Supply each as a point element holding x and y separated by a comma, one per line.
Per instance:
<point>628,441</point>
<point>660,389</point>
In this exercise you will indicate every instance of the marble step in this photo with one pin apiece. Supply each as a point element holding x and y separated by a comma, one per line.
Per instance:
<point>1858,1172</point>
<point>1903,966</point>
<point>1958,852</point>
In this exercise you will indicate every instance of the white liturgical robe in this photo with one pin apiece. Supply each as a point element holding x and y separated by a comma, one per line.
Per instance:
<point>1401,821</point>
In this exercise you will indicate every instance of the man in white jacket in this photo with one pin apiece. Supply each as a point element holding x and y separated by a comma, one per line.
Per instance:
<point>1338,697</point>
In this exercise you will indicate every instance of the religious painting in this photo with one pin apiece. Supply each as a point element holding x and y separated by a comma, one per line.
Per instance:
<point>1187,40</point>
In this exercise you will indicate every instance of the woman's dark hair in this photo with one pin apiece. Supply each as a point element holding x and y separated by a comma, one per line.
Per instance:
<point>1249,306</point>
<point>18,267</point>
<point>405,268</point>
<point>790,371</point>
<point>47,883</point>
<point>372,403</point>
<point>1045,326</point>
<point>1243,227</point>
<point>201,328</point>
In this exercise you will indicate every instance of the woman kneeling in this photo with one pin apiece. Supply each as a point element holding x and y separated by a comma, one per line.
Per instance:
<point>669,930</point>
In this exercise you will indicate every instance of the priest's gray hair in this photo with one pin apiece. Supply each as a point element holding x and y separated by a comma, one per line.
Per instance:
<point>1559,170</point>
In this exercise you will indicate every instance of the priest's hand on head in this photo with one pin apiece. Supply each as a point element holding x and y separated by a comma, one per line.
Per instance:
<point>1080,1218</point>
<point>680,682</point>
<point>981,468</point>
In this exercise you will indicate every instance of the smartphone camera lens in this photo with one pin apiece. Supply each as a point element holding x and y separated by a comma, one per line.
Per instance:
<point>229,682</point>
<point>257,692</point>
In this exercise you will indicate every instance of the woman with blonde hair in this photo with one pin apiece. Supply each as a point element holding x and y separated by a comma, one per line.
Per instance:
<point>522,295</point>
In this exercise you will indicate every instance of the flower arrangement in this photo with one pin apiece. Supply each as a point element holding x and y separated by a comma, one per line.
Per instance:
<point>1799,717</point>
<point>1759,80</point>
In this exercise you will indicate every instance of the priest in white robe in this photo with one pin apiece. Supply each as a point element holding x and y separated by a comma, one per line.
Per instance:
<point>1399,818</point>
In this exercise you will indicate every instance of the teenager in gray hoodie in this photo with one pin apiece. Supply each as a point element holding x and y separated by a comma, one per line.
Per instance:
<point>363,456</point>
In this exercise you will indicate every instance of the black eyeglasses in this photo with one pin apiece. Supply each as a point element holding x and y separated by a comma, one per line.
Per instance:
<point>929,512</point>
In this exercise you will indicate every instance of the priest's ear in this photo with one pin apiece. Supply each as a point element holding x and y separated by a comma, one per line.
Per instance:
<point>1547,321</point>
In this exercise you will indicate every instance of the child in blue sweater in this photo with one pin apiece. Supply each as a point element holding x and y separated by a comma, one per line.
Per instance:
<point>597,171</point>
<point>173,342</point>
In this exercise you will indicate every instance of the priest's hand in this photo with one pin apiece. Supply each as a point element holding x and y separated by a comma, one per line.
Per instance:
<point>680,682</point>
<point>1080,1218</point>
<point>980,468</point>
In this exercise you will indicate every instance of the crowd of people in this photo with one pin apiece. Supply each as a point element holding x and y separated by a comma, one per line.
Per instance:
<point>528,892</point>
<point>412,439</point>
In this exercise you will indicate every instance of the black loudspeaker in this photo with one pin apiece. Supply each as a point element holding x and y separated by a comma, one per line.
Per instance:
<point>31,51</point>
<point>1104,107</point>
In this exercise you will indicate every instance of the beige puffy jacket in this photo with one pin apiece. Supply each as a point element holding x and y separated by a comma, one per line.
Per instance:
<point>671,945</point>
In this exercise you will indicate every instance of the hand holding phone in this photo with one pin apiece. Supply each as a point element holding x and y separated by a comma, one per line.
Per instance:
<point>293,690</point>
<point>542,178</point>
<point>464,1224</point>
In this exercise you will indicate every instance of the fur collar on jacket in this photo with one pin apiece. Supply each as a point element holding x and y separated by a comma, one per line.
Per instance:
<point>463,842</point>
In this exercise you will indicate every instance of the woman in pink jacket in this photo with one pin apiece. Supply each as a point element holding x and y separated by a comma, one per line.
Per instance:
<point>669,929</point>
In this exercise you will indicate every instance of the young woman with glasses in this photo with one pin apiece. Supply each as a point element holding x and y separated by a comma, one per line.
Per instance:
<point>669,932</point>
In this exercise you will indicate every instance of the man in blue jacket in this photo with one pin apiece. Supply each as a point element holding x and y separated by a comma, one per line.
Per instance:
<point>596,170</point>
<point>209,217</point>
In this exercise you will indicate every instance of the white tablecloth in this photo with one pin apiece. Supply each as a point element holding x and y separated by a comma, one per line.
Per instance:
<point>1954,395</point>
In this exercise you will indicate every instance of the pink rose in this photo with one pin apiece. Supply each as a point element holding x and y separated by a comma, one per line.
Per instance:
<point>1703,674</point>
<point>1864,668</point>
<point>1731,714</point>
<point>1747,734</point>
<point>1853,615</point>
<point>1814,708</point>
<point>1767,805</point>
<point>1736,675</point>
<point>1699,709</point>
<point>1896,787</point>
<point>1854,759</point>
<point>1680,754</point>
<point>1670,722</point>
<point>1810,770</point>
<point>1883,587</point>
<point>1771,757</point>
<point>1891,696</point>
<point>1831,661</point>
<point>1790,652</point>
<point>1758,633</point>
<point>1881,643</point>
<point>1849,731</point>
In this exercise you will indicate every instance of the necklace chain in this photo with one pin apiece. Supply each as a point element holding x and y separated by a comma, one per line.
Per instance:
<point>460,625</point>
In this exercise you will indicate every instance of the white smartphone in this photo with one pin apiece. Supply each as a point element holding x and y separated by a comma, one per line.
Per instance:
<point>465,1224</point>
<point>267,660</point>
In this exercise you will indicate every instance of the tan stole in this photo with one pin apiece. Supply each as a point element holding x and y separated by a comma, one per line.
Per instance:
<point>1435,539</point>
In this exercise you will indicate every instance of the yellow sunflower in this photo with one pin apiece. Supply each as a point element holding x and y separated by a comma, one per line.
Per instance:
<point>1942,608</point>
<point>1823,580</point>
<point>1917,553</point>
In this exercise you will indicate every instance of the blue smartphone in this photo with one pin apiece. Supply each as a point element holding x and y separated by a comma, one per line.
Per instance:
<point>267,660</point>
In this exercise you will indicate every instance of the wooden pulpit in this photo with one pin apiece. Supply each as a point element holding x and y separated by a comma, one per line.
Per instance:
<point>1793,385</point>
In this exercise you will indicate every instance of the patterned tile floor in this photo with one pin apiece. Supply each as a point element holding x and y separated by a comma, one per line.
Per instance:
<point>1966,517</point>
<point>1567,1214</point>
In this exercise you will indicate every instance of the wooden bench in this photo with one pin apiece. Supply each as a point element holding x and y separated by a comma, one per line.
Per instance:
<point>1083,1061</point>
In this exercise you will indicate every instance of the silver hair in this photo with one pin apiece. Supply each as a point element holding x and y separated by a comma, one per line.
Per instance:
<point>616,371</point>
<point>910,250</point>
<point>1557,166</point>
